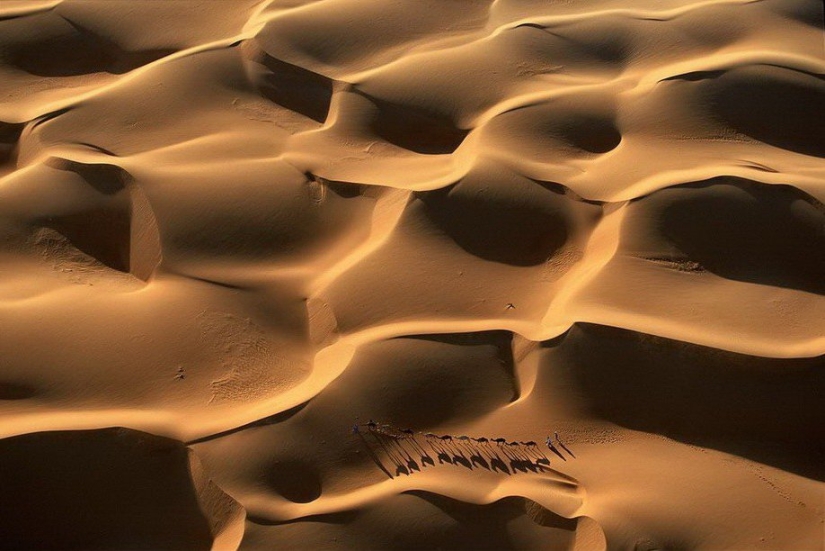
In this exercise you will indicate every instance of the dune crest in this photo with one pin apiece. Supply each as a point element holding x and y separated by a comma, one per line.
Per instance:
<point>412,274</point>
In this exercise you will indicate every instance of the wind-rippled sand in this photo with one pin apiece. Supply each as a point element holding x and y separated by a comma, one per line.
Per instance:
<point>229,231</point>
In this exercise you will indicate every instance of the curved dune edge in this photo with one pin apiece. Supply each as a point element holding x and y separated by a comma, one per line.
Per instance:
<point>179,425</point>
<point>560,498</point>
<point>234,232</point>
<point>227,515</point>
<point>588,534</point>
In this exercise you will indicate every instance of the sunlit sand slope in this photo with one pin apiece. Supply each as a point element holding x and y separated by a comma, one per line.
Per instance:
<point>232,234</point>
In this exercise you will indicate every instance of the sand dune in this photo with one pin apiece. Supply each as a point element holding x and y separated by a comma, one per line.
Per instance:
<point>232,232</point>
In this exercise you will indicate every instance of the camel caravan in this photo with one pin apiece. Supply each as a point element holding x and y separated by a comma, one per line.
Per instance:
<point>410,450</point>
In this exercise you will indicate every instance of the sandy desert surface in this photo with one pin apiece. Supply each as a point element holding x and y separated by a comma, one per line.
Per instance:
<point>295,274</point>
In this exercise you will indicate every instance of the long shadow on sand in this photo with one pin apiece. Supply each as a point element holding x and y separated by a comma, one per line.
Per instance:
<point>765,409</point>
<point>410,453</point>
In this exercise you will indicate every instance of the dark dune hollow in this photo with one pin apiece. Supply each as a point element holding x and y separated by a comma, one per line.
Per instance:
<point>293,87</point>
<point>75,50</point>
<point>414,129</point>
<point>780,107</point>
<point>489,224</point>
<point>105,489</point>
<point>743,230</point>
<point>761,408</point>
<point>433,379</point>
<point>9,136</point>
<point>104,234</point>
<point>107,179</point>
<point>102,231</point>
<point>294,480</point>
<point>592,134</point>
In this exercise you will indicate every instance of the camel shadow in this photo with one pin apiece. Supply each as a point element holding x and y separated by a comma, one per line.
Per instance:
<point>402,449</point>
<point>499,465</point>
<point>518,465</point>
<point>374,456</point>
<point>402,461</point>
<point>463,461</point>
<point>477,459</point>
<point>420,451</point>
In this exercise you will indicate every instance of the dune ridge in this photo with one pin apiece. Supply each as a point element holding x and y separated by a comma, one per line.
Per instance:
<point>231,231</point>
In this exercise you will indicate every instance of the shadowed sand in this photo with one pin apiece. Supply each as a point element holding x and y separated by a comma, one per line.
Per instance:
<point>239,229</point>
